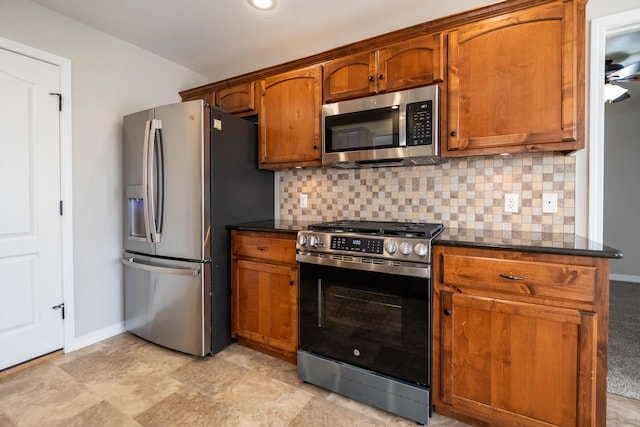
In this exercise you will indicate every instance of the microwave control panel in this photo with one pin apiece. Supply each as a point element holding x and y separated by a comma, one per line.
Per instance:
<point>420,123</point>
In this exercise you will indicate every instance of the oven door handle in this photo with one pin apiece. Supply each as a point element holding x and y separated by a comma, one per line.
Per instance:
<point>390,267</point>
<point>319,303</point>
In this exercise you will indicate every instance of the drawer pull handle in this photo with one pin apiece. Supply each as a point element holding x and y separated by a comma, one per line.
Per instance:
<point>447,312</point>
<point>262,248</point>
<point>511,277</point>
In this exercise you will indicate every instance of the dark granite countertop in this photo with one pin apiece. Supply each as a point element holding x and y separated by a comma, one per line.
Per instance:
<point>271,225</point>
<point>550,243</point>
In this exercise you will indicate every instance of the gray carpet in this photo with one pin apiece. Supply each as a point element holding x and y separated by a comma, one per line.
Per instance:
<point>624,339</point>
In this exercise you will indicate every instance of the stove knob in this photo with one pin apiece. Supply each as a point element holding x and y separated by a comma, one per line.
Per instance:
<point>405,248</point>
<point>421,249</point>
<point>302,240</point>
<point>391,247</point>
<point>313,241</point>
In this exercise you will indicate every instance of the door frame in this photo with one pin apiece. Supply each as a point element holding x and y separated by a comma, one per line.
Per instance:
<point>601,28</point>
<point>66,192</point>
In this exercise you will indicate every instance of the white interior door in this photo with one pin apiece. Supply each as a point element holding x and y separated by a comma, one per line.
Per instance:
<point>30,221</point>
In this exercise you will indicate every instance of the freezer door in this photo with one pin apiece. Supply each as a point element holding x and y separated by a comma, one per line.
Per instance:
<point>168,302</point>
<point>186,220</point>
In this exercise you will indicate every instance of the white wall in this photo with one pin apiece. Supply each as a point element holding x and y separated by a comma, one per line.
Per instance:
<point>621,190</point>
<point>595,9</point>
<point>110,78</point>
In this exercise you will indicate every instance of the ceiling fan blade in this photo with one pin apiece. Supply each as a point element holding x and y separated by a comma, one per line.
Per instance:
<point>610,67</point>
<point>630,73</point>
<point>621,98</point>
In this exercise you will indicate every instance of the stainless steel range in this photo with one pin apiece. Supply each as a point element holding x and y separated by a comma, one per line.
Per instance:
<point>365,312</point>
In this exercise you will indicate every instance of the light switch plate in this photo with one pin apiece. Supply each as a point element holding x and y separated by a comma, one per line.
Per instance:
<point>303,201</point>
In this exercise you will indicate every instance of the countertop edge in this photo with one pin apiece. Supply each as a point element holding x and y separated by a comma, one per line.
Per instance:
<point>594,253</point>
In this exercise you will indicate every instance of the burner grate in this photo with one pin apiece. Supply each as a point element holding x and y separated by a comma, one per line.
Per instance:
<point>380,228</point>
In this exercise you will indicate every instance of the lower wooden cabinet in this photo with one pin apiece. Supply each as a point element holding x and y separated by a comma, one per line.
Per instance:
<point>520,338</point>
<point>264,292</point>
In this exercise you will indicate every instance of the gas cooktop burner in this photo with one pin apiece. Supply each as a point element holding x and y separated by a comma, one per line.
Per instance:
<point>379,228</point>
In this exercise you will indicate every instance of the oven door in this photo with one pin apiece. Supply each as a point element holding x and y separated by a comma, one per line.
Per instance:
<point>376,321</point>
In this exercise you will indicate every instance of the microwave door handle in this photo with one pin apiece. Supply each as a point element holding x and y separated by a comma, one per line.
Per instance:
<point>151,180</point>
<point>145,182</point>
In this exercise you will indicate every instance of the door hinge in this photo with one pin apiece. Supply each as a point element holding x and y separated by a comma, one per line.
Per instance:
<point>59,95</point>
<point>58,307</point>
<point>61,208</point>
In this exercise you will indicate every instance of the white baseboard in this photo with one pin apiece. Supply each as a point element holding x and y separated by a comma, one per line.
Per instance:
<point>624,278</point>
<point>94,337</point>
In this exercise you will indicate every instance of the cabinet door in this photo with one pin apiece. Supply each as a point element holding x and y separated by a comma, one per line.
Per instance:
<point>207,97</point>
<point>265,303</point>
<point>516,363</point>
<point>412,63</point>
<point>513,82</point>
<point>350,77</point>
<point>290,119</point>
<point>237,99</point>
<point>415,62</point>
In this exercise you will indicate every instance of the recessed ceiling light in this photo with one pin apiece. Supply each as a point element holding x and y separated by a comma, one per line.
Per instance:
<point>263,4</point>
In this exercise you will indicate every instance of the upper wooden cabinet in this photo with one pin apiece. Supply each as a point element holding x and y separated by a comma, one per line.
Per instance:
<point>515,82</point>
<point>290,105</point>
<point>414,62</point>
<point>209,97</point>
<point>239,99</point>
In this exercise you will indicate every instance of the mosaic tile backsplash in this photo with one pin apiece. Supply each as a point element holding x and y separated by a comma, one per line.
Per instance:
<point>464,192</point>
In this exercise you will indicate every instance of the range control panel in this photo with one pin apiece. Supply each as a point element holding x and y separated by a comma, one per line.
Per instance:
<point>357,244</point>
<point>393,248</point>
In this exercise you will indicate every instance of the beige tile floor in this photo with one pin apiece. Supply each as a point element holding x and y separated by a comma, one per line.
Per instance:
<point>125,381</point>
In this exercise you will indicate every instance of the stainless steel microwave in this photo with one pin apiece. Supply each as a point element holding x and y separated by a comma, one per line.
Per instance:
<point>391,129</point>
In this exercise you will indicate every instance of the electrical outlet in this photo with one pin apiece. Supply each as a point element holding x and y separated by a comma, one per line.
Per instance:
<point>511,203</point>
<point>549,202</point>
<point>303,201</point>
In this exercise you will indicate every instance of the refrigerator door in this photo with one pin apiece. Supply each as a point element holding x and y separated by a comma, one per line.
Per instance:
<point>167,195</point>
<point>185,223</point>
<point>168,302</point>
<point>135,136</point>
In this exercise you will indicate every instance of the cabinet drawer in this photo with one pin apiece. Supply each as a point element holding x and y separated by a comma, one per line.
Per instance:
<point>535,279</point>
<point>264,247</point>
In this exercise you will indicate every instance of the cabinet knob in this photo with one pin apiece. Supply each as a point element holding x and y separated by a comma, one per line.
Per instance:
<point>454,133</point>
<point>291,283</point>
<point>262,248</point>
<point>315,147</point>
<point>447,312</point>
<point>381,76</point>
<point>371,78</point>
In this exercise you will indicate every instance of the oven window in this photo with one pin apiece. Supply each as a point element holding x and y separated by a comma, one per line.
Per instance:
<point>373,320</point>
<point>362,130</point>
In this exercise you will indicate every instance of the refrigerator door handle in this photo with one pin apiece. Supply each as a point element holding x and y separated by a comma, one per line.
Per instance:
<point>157,269</point>
<point>154,174</point>
<point>145,181</point>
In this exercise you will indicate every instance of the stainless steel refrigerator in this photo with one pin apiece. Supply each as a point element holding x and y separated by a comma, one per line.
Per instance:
<point>189,171</point>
